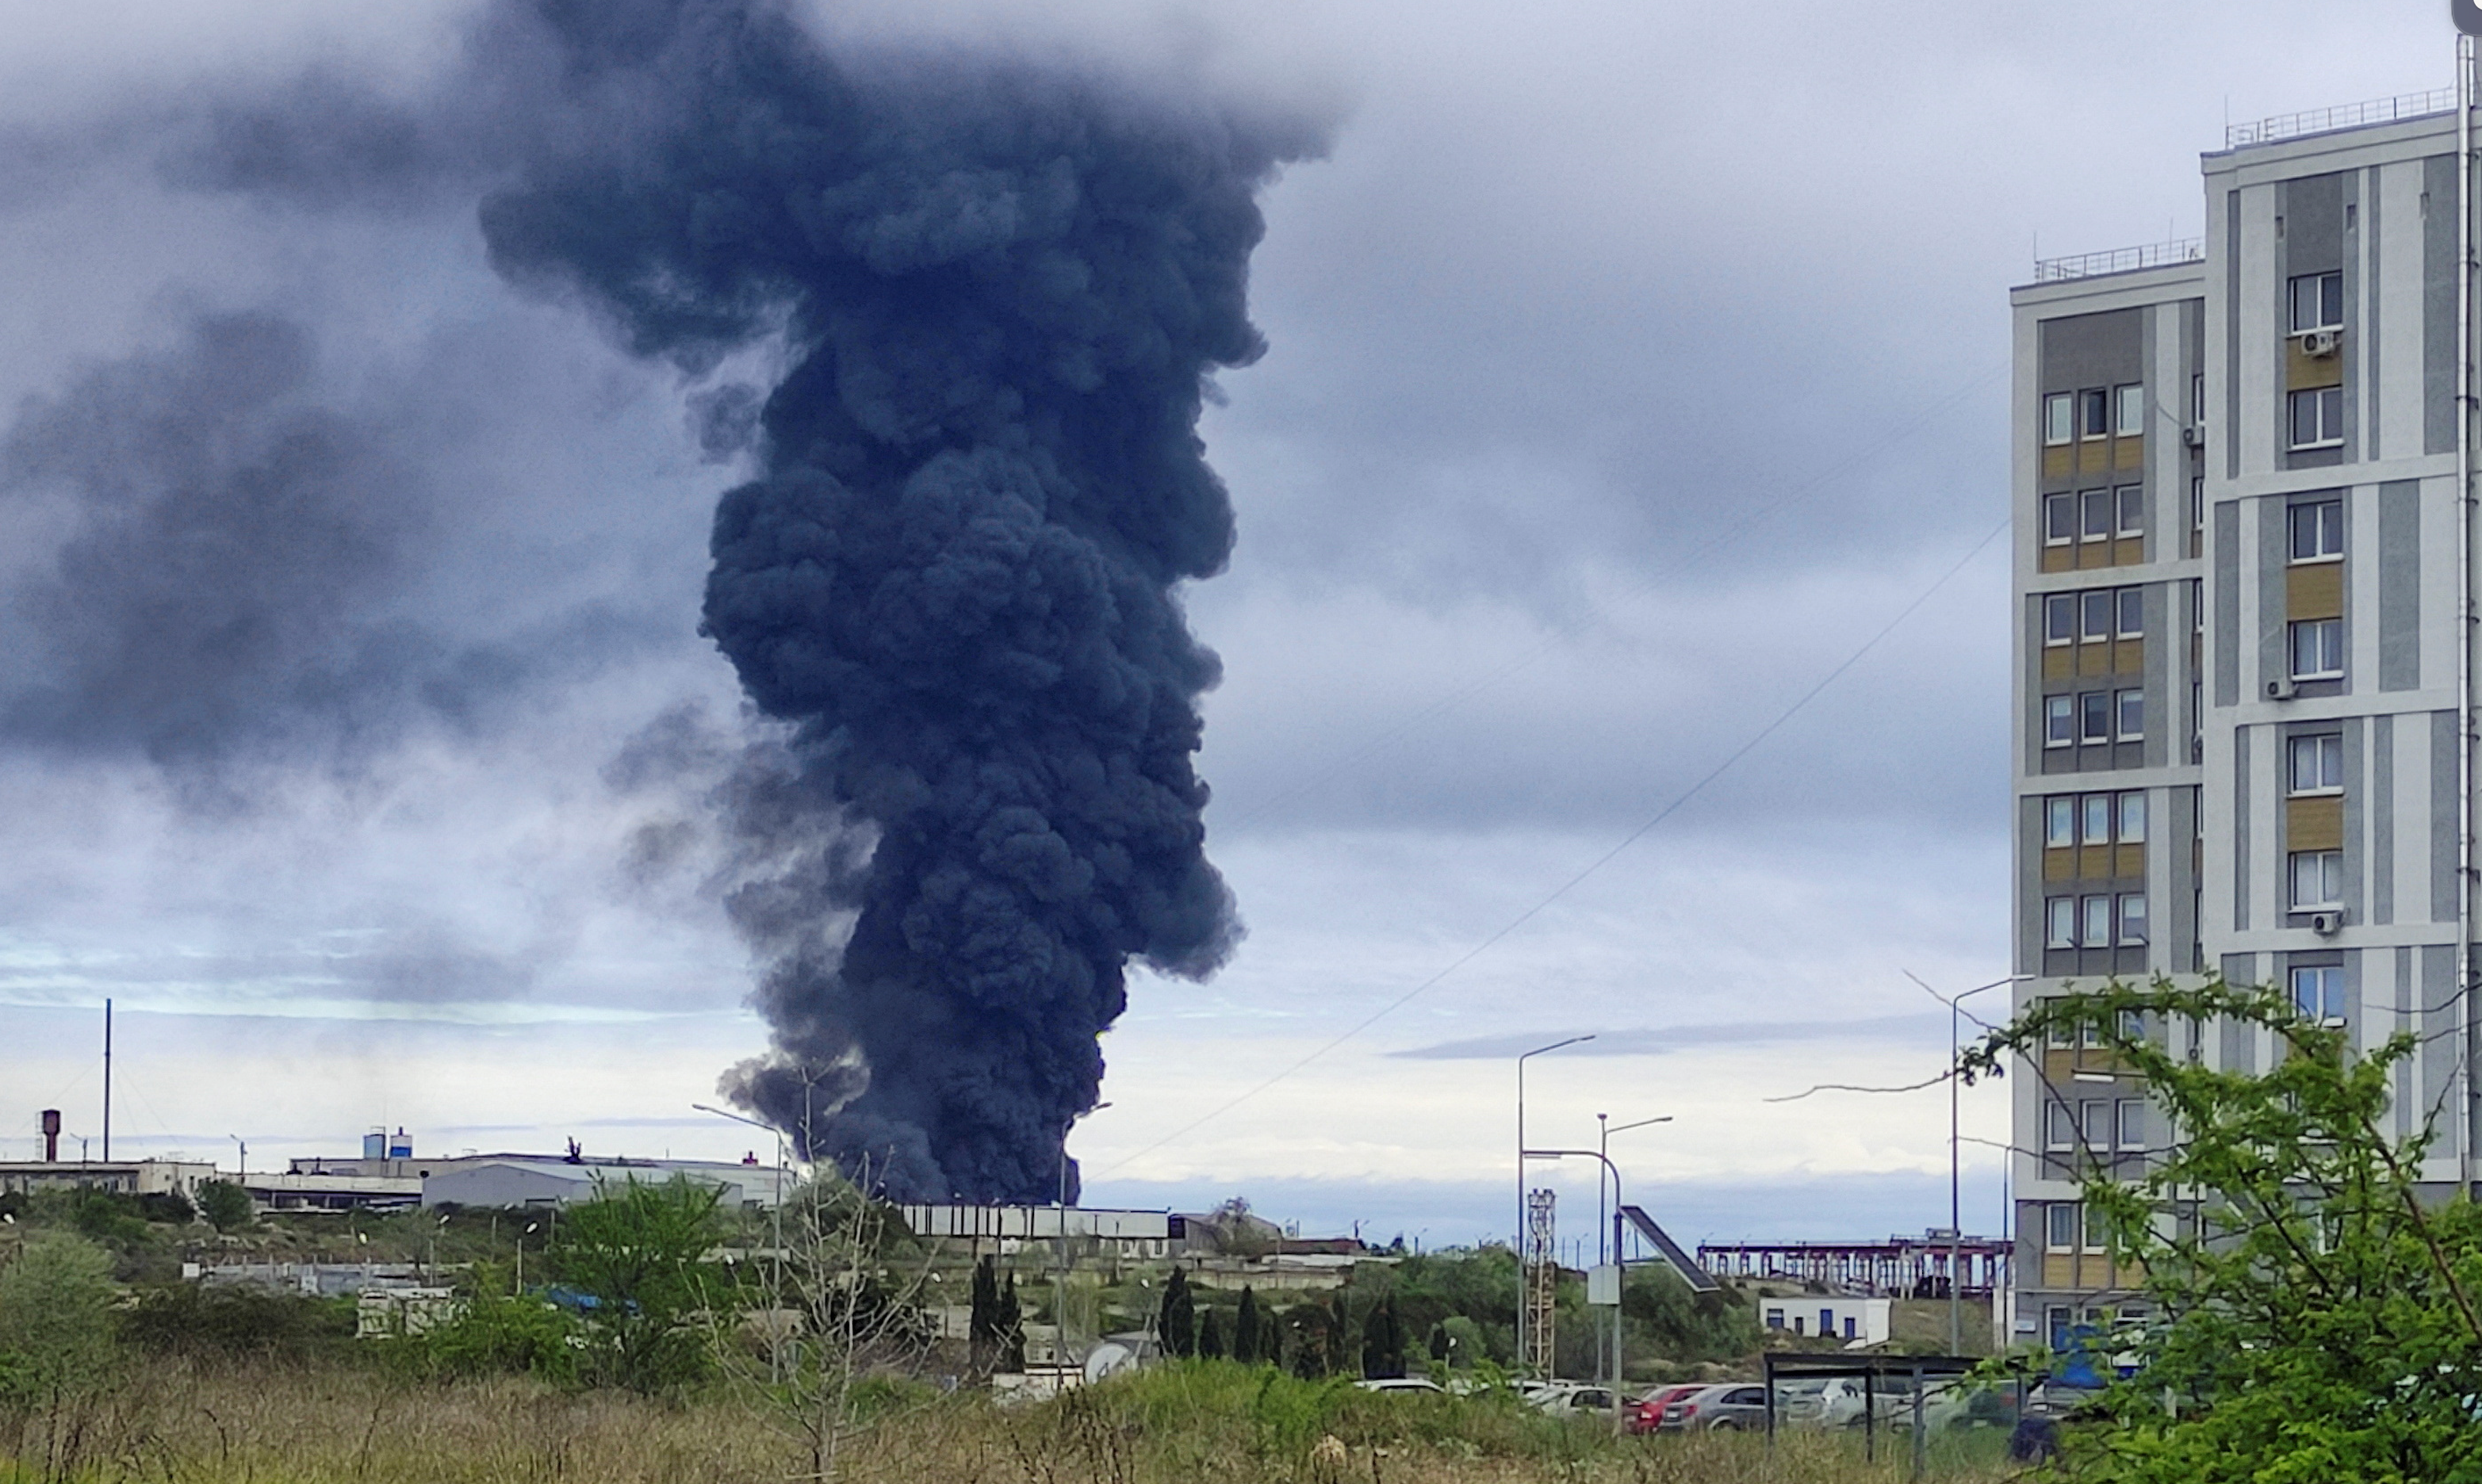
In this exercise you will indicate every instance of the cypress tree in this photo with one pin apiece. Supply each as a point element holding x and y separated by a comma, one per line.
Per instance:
<point>982,1327</point>
<point>1383,1341</point>
<point>1211,1334</point>
<point>1008,1322</point>
<point>1249,1345</point>
<point>1177,1320</point>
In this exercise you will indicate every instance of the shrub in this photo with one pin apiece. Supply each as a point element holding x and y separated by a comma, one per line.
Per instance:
<point>56,1317</point>
<point>198,1322</point>
<point>225,1204</point>
<point>494,1334</point>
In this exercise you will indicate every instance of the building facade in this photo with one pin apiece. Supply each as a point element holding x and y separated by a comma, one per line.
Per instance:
<point>2241,569</point>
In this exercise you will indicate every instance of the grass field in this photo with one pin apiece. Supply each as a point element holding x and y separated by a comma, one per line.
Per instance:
<point>1205,1422</point>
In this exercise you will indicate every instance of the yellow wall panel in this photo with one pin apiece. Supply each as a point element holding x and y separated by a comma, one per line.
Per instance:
<point>2093,457</point>
<point>2059,559</point>
<point>2093,555</point>
<point>2094,862</point>
<point>2128,454</point>
<point>2059,662</point>
<point>2128,657</point>
<point>2128,861</point>
<point>2059,1270</point>
<point>2314,590</point>
<point>2301,372</point>
<point>2128,552</point>
<point>2060,865</point>
<point>2057,462</point>
<point>2313,823</point>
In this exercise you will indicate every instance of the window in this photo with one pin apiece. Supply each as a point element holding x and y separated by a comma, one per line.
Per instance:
<point>2129,407</point>
<point>2060,924</point>
<point>2097,823</point>
<point>2059,821</point>
<point>2132,498</point>
<point>2317,763</point>
<point>2133,819</point>
<point>2059,519</point>
<point>2319,993</point>
<point>2098,923</point>
<point>2318,879</point>
<point>2132,1123</point>
<point>2063,1224</point>
<point>2198,502</point>
<point>2098,1238</point>
<point>1775,1318</point>
<point>2099,611</point>
<point>2198,397</point>
<point>2318,649</point>
<point>2317,301</point>
<point>2058,417</point>
<point>2318,417</point>
<point>2094,718</point>
<point>2132,716</point>
<point>2132,920</point>
<point>2059,720</point>
<point>2094,1119</point>
<point>2059,618</point>
<point>2130,604</point>
<point>2097,515</point>
<point>2318,531</point>
<point>2096,422</point>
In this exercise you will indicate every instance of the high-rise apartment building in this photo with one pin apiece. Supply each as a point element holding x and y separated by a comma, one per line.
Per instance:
<point>2243,572</point>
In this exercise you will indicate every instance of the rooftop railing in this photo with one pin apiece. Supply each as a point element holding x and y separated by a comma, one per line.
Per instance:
<point>2120,260</point>
<point>2350,116</point>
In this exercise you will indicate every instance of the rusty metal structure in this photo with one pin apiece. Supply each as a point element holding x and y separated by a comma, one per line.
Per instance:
<point>1541,1280</point>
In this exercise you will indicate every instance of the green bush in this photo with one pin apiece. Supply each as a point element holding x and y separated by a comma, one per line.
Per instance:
<point>225,1204</point>
<point>196,1322</point>
<point>56,1317</point>
<point>640,1251</point>
<point>494,1334</point>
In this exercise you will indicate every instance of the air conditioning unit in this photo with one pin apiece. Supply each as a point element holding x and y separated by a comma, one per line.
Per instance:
<point>2321,343</point>
<point>2194,435</point>
<point>2281,690</point>
<point>2326,924</point>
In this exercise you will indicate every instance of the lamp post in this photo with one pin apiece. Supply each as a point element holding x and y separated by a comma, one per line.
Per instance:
<point>1060,1268</point>
<point>1516,1240</point>
<point>1955,1172</point>
<point>1612,1170</point>
<point>777,1226</point>
<point>1603,1131</point>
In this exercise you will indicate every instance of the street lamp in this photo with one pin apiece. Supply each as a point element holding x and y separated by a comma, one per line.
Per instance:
<point>1060,1268</point>
<point>1613,1171</point>
<point>1955,1175</point>
<point>1603,1131</point>
<point>777,1226</point>
<point>1517,1242</point>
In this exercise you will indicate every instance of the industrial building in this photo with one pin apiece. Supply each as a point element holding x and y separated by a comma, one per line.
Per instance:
<point>2243,670</point>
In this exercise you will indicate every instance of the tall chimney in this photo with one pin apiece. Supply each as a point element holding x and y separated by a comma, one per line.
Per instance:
<point>51,1136</point>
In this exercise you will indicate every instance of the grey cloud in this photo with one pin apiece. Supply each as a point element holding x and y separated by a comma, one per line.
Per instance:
<point>1662,1040</point>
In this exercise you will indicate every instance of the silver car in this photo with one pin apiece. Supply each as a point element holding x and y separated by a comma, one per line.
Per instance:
<point>1735,1406</point>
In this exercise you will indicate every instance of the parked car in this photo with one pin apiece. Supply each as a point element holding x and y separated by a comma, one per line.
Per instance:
<point>1832,1402</point>
<point>1564,1398</point>
<point>1645,1413</point>
<point>1403,1385</point>
<point>1732,1407</point>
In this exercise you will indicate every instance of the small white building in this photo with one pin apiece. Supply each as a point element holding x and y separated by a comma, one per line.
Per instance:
<point>120,1177</point>
<point>522,1179</point>
<point>1835,1319</point>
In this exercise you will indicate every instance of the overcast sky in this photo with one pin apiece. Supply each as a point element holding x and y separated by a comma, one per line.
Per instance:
<point>1632,365</point>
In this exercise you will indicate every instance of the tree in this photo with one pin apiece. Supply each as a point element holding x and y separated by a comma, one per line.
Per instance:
<point>640,1254</point>
<point>1249,1343</point>
<point>1383,1342</point>
<point>1176,1321</point>
<point>1008,1320</point>
<point>227,1206</point>
<point>56,1325</point>
<point>981,1325</point>
<point>1211,1334</point>
<point>2313,1313</point>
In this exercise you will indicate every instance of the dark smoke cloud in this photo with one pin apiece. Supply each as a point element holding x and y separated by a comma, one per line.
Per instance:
<point>1001,289</point>
<point>228,569</point>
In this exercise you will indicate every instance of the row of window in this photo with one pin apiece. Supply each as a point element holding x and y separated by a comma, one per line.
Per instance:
<point>2090,819</point>
<point>2098,1124</point>
<point>2097,412</point>
<point>2094,515</point>
<point>2092,717</point>
<point>2094,615</point>
<point>2098,922</point>
<point>2070,1226</point>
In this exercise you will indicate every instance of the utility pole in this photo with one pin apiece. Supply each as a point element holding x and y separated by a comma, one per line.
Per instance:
<point>1060,1265</point>
<point>107,1081</point>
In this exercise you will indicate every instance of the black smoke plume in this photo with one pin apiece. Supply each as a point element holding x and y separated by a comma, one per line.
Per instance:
<point>999,288</point>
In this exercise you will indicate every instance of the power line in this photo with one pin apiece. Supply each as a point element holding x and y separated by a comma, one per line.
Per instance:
<point>1598,864</point>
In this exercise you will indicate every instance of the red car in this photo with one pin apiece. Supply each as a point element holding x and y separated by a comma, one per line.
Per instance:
<point>1645,1413</point>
